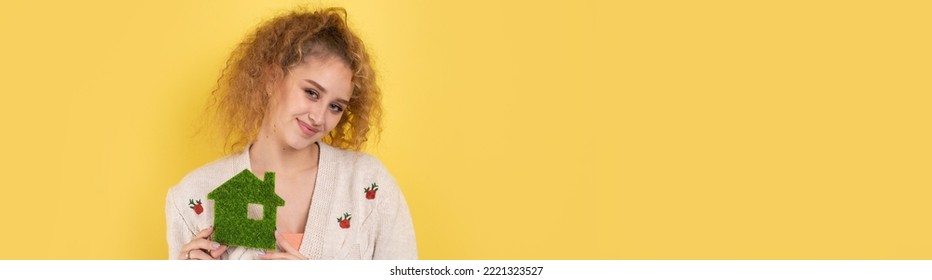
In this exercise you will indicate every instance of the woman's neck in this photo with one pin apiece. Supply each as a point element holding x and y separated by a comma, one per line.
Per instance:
<point>267,154</point>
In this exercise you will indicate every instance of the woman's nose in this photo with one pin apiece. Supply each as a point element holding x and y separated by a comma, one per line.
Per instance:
<point>316,114</point>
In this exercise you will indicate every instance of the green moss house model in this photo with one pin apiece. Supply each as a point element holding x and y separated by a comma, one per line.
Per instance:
<point>232,200</point>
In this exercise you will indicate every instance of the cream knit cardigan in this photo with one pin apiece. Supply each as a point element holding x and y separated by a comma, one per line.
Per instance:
<point>380,228</point>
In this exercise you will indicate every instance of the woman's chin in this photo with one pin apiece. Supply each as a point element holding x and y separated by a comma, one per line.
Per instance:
<point>301,144</point>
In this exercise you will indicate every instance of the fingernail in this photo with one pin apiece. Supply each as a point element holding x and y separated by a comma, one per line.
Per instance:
<point>260,252</point>
<point>215,245</point>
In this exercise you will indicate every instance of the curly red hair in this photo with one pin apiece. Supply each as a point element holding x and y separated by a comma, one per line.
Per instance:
<point>242,96</point>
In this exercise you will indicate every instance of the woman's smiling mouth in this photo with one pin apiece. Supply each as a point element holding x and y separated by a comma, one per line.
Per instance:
<point>307,129</point>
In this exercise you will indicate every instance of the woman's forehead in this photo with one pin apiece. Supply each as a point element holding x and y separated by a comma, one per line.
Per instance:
<point>329,73</point>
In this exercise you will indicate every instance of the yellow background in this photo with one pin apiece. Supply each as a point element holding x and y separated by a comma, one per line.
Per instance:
<point>517,130</point>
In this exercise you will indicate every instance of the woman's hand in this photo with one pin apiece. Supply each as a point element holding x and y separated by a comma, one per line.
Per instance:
<point>287,253</point>
<point>201,248</point>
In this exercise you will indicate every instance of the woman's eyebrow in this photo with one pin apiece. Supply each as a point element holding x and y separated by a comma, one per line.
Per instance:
<point>322,89</point>
<point>316,85</point>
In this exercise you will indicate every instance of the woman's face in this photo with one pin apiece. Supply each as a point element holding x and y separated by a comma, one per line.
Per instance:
<point>309,102</point>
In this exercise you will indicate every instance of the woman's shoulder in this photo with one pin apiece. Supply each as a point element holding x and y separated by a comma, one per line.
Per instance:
<point>352,159</point>
<point>188,199</point>
<point>207,177</point>
<point>356,166</point>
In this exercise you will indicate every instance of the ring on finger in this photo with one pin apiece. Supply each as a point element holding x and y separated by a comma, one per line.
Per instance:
<point>187,255</point>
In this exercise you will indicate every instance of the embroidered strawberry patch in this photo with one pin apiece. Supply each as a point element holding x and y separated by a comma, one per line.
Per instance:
<point>370,191</point>
<point>198,208</point>
<point>345,220</point>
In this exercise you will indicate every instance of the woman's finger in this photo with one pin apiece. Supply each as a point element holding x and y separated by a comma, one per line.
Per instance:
<point>202,244</point>
<point>198,254</point>
<point>205,233</point>
<point>219,251</point>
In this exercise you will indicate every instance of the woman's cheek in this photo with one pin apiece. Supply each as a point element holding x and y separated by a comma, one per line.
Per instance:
<point>336,120</point>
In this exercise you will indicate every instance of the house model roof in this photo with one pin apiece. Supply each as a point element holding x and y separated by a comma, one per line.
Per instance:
<point>247,188</point>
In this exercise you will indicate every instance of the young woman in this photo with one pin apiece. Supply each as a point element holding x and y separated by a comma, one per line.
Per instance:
<point>298,98</point>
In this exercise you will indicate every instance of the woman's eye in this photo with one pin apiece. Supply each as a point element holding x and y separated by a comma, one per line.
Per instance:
<point>336,108</point>
<point>312,93</point>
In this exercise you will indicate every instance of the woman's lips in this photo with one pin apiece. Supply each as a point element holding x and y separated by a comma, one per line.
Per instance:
<point>306,128</point>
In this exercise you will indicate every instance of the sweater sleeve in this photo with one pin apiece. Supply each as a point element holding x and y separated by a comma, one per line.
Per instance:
<point>396,239</point>
<point>178,232</point>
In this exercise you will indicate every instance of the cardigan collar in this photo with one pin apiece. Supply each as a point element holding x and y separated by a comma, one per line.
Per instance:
<point>312,245</point>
